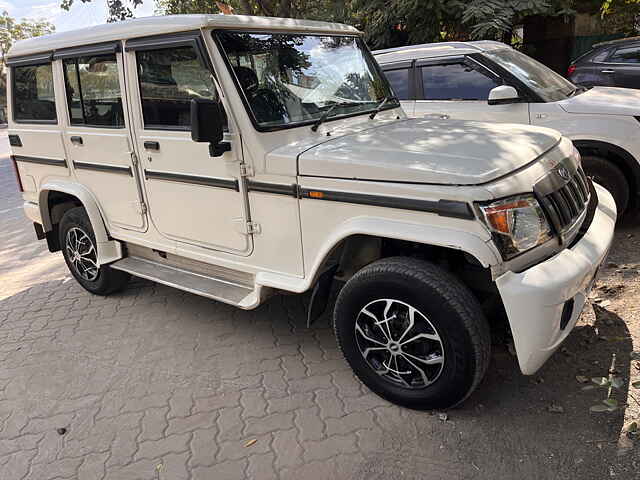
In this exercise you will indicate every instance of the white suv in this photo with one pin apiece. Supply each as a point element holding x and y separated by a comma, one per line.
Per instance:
<point>235,157</point>
<point>492,82</point>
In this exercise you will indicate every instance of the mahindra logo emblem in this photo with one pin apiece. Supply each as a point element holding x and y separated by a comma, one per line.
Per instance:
<point>564,173</point>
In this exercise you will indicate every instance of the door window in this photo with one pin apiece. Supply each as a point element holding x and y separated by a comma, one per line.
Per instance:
<point>33,96</point>
<point>93,91</point>
<point>399,80</point>
<point>626,55</point>
<point>455,81</point>
<point>169,78</point>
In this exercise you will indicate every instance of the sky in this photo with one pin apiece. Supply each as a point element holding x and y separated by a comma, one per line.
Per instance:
<point>80,15</point>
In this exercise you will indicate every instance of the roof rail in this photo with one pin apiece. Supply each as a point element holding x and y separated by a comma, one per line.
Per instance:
<point>619,40</point>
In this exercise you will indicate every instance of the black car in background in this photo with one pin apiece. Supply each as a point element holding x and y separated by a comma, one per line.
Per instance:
<point>610,64</point>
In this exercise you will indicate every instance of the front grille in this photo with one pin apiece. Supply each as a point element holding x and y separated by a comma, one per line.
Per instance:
<point>567,203</point>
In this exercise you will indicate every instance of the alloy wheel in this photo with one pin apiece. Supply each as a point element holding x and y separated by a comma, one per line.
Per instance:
<point>82,253</point>
<point>399,343</point>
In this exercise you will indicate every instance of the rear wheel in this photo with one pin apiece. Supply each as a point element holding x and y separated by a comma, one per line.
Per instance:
<point>78,244</point>
<point>607,174</point>
<point>412,333</point>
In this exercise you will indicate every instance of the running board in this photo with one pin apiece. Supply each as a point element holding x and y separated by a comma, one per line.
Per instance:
<point>218,289</point>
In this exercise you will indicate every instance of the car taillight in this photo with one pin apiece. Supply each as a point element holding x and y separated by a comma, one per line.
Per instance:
<point>572,68</point>
<point>17,172</point>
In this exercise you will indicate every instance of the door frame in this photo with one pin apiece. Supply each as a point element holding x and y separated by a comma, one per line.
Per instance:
<point>116,48</point>
<point>236,167</point>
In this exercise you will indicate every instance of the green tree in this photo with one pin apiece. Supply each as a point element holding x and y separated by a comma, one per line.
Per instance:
<point>621,16</point>
<point>118,9</point>
<point>495,19</point>
<point>12,30</point>
<point>319,9</point>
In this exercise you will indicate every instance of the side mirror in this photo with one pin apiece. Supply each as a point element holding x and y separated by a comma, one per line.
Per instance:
<point>503,95</point>
<point>207,120</point>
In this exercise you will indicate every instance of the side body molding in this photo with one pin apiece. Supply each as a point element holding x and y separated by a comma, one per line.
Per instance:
<point>459,239</point>
<point>109,250</point>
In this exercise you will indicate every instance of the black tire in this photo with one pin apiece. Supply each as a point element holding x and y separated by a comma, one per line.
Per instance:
<point>100,281</point>
<point>450,308</point>
<point>608,175</point>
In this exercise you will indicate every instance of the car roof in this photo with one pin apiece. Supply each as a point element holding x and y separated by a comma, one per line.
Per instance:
<point>616,42</point>
<point>159,25</point>
<point>434,50</point>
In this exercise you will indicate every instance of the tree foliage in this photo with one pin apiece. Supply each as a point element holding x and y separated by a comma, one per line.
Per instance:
<point>389,23</point>
<point>12,30</point>
<point>118,9</point>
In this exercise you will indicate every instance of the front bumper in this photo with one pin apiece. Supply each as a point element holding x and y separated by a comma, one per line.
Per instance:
<point>534,299</point>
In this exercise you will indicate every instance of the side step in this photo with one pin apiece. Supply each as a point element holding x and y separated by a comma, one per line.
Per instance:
<point>218,289</point>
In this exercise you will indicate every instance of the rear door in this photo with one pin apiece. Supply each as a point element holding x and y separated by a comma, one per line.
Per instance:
<point>458,88</point>
<point>97,133</point>
<point>625,66</point>
<point>401,77</point>
<point>193,197</point>
<point>34,124</point>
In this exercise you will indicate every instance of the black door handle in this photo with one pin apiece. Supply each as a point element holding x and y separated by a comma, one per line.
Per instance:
<point>14,141</point>
<point>152,145</point>
<point>76,139</point>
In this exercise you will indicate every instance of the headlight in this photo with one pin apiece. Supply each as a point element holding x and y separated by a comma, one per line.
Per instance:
<point>518,224</point>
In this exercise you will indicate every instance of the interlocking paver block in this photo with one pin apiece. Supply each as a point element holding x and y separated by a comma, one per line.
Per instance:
<point>164,446</point>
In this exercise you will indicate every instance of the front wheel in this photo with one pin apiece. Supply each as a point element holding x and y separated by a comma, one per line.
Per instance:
<point>78,244</point>
<point>605,173</point>
<point>412,333</point>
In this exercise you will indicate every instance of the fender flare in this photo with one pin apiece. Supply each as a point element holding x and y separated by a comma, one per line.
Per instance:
<point>443,236</point>
<point>629,163</point>
<point>108,250</point>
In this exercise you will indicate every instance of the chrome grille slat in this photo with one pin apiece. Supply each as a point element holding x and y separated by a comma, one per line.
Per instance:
<point>566,204</point>
<point>575,188</point>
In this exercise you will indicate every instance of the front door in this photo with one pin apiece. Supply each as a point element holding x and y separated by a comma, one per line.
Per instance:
<point>193,198</point>
<point>458,88</point>
<point>97,135</point>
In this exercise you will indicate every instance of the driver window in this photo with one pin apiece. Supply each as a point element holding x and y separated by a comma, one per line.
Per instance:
<point>169,78</point>
<point>455,81</point>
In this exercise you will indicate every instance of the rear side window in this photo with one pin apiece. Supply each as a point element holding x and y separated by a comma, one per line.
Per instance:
<point>626,55</point>
<point>455,81</point>
<point>600,56</point>
<point>33,95</point>
<point>399,80</point>
<point>169,78</point>
<point>93,91</point>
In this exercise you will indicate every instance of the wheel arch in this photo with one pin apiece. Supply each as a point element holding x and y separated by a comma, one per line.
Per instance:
<point>456,238</point>
<point>619,157</point>
<point>56,197</point>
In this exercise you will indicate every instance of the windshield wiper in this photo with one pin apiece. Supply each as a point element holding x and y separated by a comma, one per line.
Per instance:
<point>326,114</point>
<point>382,103</point>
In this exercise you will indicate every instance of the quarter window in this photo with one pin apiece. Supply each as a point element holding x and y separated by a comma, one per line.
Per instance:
<point>169,78</point>
<point>93,91</point>
<point>455,81</point>
<point>626,55</point>
<point>600,57</point>
<point>33,95</point>
<point>399,80</point>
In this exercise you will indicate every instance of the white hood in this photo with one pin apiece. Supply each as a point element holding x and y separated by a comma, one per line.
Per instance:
<point>432,151</point>
<point>604,101</point>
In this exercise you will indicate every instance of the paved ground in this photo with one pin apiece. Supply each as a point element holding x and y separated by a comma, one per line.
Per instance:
<point>153,383</point>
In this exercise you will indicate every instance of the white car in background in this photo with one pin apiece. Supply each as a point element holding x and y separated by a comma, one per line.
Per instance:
<point>491,81</point>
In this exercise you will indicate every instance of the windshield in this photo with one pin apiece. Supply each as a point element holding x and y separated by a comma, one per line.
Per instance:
<point>550,86</point>
<point>293,79</point>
